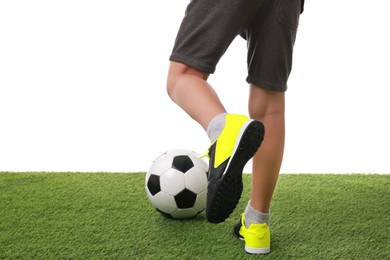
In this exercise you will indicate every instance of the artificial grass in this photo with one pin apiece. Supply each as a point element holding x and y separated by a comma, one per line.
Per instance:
<point>108,216</point>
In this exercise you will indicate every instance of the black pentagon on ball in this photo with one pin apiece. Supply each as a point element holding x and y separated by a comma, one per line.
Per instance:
<point>154,184</point>
<point>185,199</point>
<point>182,163</point>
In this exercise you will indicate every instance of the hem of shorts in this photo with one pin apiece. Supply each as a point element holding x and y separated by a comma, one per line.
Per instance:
<point>279,87</point>
<point>177,57</point>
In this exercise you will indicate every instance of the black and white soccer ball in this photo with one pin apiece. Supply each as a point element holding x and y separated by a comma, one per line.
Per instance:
<point>176,183</point>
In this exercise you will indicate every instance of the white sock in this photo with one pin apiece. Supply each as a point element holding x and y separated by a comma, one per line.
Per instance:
<point>216,126</point>
<point>253,216</point>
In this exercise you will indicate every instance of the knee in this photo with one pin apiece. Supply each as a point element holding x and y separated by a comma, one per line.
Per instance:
<point>265,112</point>
<point>172,79</point>
<point>265,105</point>
<point>178,74</point>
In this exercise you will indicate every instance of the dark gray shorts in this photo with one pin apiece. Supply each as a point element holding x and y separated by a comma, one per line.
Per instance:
<point>269,26</point>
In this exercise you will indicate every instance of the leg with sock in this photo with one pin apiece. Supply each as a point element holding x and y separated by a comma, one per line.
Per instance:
<point>267,106</point>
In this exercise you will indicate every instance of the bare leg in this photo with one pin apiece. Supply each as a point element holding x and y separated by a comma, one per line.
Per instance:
<point>267,107</point>
<point>189,89</point>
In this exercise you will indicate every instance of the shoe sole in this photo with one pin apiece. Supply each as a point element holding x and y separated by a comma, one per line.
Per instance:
<point>227,190</point>
<point>257,251</point>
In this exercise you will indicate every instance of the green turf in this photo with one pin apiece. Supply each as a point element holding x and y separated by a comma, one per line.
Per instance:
<point>108,216</point>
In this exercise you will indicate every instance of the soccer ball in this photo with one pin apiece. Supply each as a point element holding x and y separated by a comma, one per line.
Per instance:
<point>176,183</point>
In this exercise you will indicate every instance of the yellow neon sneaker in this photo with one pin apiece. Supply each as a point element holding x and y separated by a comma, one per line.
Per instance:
<point>238,142</point>
<point>257,237</point>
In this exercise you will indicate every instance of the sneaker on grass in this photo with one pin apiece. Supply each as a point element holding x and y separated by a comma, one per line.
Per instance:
<point>257,237</point>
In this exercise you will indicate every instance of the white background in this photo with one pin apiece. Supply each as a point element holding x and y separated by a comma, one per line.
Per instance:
<point>82,87</point>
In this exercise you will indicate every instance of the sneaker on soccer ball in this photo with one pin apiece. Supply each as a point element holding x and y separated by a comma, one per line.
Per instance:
<point>257,237</point>
<point>239,141</point>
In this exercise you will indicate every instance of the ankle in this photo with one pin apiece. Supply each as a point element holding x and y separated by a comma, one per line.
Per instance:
<point>216,126</point>
<point>253,216</point>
